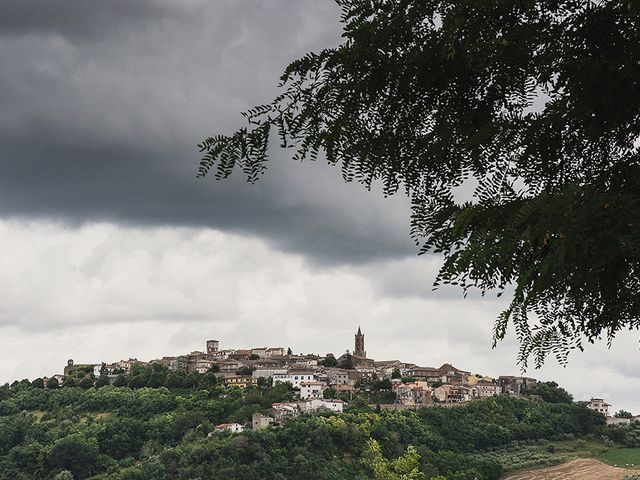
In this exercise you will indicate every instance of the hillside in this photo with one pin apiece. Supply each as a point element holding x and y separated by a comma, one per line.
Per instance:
<point>121,433</point>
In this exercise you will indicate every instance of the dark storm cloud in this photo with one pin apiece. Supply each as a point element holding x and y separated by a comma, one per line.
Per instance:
<point>80,18</point>
<point>105,128</point>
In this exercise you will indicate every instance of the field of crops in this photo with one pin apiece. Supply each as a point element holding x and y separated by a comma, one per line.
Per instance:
<point>579,469</point>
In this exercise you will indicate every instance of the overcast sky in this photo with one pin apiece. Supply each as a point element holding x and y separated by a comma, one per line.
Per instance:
<point>112,248</point>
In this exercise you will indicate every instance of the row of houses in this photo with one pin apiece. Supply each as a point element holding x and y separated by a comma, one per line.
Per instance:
<point>309,375</point>
<point>284,411</point>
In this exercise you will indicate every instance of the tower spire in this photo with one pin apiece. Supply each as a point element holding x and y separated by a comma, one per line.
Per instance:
<point>359,350</point>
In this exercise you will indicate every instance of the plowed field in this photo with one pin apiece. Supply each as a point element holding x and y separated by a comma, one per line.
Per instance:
<point>580,469</point>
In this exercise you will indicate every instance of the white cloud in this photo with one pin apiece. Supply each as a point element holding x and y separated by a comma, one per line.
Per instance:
<point>105,292</point>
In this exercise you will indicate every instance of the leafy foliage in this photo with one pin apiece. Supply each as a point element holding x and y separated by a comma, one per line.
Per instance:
<point>533,104</point>
<point>550,392</point>
<point>117,433</point>
<point>405,467</point>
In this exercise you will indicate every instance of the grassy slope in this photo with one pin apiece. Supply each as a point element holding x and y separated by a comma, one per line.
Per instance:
<point>621,456</point>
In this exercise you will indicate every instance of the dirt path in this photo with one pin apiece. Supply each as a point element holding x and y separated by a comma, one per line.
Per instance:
<point>580,469</point>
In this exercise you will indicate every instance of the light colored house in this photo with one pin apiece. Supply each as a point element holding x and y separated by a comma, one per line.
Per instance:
<point>447,373</point>
<point>315,404</point>
<point>267,372</point>
<point>452,393</point>
<point>285,410</point>
<point>364,374</point>
<point>474,379</point>
<point>294,379</point>
<point>484,389</point>
<point>412,393</point>
<point>338,376</point>
<point>275,351</point>
<point>599,405</point>
<point>261,352</point>
<point>127,364</point>
<point>229,366</point>
<point>618,421</point>
<point>514,386</point>
<point>311,390</point>
<point>240,381</point>
<point>229,427</point>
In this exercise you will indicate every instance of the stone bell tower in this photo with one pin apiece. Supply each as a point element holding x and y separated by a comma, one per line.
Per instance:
<point>212,346</point>
<point>359,351</point>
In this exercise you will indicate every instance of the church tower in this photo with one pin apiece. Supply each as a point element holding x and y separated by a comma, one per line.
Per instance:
<point>359,350</point>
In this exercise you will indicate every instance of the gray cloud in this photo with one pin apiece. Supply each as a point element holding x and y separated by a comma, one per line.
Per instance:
<point>80,19</point>
<point>104,109</point>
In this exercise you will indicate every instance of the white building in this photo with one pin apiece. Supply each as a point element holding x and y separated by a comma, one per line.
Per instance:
<point>311,390</point>
<point>599,405</point>
<point>261,352</point>
<point>285,410</point>
<point>275,351</point>
<point>294,379</point>
<point>267,372</point>
<point>484,389</point>
<point>314,404</point>
<point>229,427</point>
<point>338,376</point>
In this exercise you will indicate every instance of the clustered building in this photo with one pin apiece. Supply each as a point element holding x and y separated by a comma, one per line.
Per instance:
<point>311,375</point>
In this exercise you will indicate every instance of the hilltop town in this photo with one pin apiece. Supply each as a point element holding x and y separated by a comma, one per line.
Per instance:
<point>325,382</point>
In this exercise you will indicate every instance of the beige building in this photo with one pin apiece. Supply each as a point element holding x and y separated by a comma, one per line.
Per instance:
<point>311,390</point>
<point>240,382</point>
<point>599,405</point>
<point>412,394</point>
<point>484,389</point>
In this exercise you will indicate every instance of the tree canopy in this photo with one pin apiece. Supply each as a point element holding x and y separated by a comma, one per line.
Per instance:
<point>513,126</point>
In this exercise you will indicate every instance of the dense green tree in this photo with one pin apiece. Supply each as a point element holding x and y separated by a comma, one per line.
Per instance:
<point>37,383</point>
<point>623,414</point>
<point>102,381</point>
<point>69,382</point>
<point>550,392</point>
<point>191,380</point>
<point>174,380</point>
<point>329,360</point>
<point>85,383</point>
<point>245,371</point>
<point>157,379</point>
<point>120,381</point>
<point>530,105</point>
<point>75,454</point>
<point>330,393</point>
<point>347,361</point>
<point>396,373</point>
<point>405,467</point>
<point>53,383</point>
<point>139,381</point>
<point>209,379</point>
<point>121,437</point>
